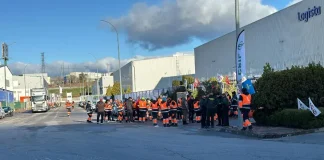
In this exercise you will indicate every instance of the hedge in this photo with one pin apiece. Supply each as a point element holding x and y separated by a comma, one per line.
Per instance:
<point>280,89</point>
<point>292,118</point>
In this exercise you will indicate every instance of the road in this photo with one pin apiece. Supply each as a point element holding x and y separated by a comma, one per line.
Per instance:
<point>54,136</point>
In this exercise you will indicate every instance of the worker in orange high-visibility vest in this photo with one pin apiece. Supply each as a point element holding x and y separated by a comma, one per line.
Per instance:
<point>155,111</point>
<point>245,107</point>
<point>197,110</point>
<point>173,113</point>
<point>68,106</point>
<point>142,105</point>
<point>165,112</point>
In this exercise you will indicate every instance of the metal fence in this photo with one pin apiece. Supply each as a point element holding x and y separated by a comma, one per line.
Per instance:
<point>147,94</point>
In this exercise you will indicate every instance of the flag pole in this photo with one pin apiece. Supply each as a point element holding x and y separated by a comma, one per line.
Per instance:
<point>237,22</point>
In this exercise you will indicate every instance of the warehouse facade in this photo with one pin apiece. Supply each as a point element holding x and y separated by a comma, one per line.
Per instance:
<point>155,73</point>
<point>292,36</point>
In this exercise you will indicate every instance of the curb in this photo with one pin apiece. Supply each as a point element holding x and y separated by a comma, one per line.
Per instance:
<point>266,136</point>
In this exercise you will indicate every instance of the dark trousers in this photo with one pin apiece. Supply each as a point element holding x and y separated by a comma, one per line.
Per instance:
<point>102,116</point>
<point>108,114</point>
<point>225,120</point>
<point>130,115</point>
<point>203,118</point>
<point>191,115</point>
<point>220,116</point>
<point>210,117</point>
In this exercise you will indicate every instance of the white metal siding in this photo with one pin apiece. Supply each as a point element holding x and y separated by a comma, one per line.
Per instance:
<point>280,39</point>
<point>155,73</point>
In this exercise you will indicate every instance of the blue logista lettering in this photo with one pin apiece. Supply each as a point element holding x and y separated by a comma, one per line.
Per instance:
<point>310,13</point>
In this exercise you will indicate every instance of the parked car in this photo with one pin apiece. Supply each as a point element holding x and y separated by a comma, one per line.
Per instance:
<point>2,113</point>
<point>8,111</point>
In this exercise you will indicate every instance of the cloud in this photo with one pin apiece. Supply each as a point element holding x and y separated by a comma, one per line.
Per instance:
<point>55,68</point>
<point>293,2</point>
<point>177,22</point>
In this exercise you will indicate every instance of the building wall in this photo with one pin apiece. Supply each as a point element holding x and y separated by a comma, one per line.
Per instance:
<point>142,75</point>
<point>91,75</point>
<point>44,75</point>
<point>103,84</point>
<point>31,82</point>
<point>280,39</point>
<point>8,78</point>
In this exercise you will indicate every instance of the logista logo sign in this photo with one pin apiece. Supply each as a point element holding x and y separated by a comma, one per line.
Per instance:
<point>309,14</point>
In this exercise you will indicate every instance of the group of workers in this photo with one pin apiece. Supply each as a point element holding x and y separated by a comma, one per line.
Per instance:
<point>206,110</point>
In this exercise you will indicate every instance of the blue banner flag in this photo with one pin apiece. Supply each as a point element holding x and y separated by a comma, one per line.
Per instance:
<point>249,86</point>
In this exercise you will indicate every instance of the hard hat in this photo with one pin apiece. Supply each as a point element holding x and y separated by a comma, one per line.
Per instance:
<point>143,98</point>
<point>164,99</point>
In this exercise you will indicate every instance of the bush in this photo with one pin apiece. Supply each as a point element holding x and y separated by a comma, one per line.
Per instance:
<point>175,83</point>
<point>279,90</point>
<point>292,118</point>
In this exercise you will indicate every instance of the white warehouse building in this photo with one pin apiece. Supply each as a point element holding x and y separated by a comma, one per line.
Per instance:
<point>155,73</point>
<point>292,36</point>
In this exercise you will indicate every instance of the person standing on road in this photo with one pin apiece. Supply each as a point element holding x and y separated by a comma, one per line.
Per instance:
<point>191,108</point>
<point>234,102</point>
<point>203,110</point>
<point>89,112</point>
<point>155,111</point>
<point>165,112</point>
<point>68,106</point>
<point>185,110</point>
<point>211,104</point>
<point>129,107</point>
<point>245,107</point>
<point>142,105</point>
<point>224,104</point>
<point>100,110</point>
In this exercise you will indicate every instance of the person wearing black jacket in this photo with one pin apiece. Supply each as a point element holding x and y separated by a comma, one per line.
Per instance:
<point>211,104</point>
<point>191,108</point>
<point>129,107</point>
<point>89,112</point>
<point>203,109</point>
<point>223,103</point>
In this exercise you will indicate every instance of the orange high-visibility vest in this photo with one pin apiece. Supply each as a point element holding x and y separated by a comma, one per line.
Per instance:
<point>173,105</point>
<point>155,106</point>
<point>196,105</point>
<point>142,104</point>
<point>164,106</point>
<point>246,102</point>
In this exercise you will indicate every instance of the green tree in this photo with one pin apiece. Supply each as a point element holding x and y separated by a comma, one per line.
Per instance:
<point>213,79</point>
<point>116,88</point>
<point>109,91</point>
<point>190,79</point>
<point>128,90</point>
<point>175,83</point>
<point>82,77</point>
<point>267,69</point>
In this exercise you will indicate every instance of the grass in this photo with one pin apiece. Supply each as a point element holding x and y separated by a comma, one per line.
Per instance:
<point>75,91</point>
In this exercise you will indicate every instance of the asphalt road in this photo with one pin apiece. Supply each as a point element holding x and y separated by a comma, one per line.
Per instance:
<point>54,136</point>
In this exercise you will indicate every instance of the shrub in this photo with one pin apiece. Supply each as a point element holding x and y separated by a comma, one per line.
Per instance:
<point>292,118</point>
<point>280,89</point>
<point>175,83</point>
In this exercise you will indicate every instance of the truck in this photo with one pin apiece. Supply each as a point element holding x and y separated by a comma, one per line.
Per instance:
<point>39,97</point>
<point>69,96</point>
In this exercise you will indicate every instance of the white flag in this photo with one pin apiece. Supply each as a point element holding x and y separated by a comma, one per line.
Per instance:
<point>240,56</point>
<point>313,108</point>
<point>60,89</point>
<point>301,105</point>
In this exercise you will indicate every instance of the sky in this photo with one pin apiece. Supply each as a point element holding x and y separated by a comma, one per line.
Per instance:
<point>71,33</point>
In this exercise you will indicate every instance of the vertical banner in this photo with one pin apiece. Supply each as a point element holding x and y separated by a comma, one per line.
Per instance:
<point>240,56</point>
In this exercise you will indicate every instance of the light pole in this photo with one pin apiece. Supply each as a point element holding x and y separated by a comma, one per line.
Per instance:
<point>96,76</point>
<point>25,83</point>
<point>120,81</point>
<point>237,22</point>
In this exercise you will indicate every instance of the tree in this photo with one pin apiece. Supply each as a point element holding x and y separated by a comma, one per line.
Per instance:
<point>128,90</point>
<point>73,79</point>
<point>267,69</point>
<point>190,79</point>
<point>109,91</point>
<point>175,83</point>
<point>83,77</point>
<point>116,88</point>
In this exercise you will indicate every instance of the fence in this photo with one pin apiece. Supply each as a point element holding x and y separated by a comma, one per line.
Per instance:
<point>147,94</point>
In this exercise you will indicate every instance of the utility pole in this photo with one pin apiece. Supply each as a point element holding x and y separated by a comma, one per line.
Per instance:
<point>5,59</point>
<point>237,22</point>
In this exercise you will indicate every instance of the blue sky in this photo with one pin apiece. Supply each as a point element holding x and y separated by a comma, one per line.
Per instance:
<point>67,30</point>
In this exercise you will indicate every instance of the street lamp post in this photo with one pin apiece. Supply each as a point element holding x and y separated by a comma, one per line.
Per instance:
<point>120,81</point>
<point>96,76</point>
<point>237,22</point>
<point>25,83</point>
